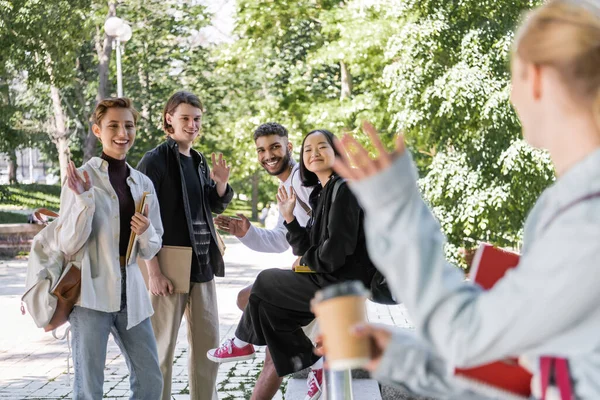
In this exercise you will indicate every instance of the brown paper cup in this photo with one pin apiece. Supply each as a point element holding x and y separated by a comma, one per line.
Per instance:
<point>338,308</point>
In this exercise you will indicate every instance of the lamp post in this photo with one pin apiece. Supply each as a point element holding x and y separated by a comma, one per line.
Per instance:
<point>121,32</point>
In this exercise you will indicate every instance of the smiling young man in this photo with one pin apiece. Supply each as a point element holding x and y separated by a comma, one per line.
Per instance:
<point>188,193</point>
<point>274,152</point>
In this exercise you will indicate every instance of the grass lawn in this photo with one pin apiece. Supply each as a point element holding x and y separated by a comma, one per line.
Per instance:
<point>19,197</point>
<point>7,217</point>
<point>29,197</point>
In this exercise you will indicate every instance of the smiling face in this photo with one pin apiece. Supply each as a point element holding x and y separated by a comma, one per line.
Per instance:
<point>116,132</point>
<point>185,121</point>
<point>274,153</point>
<point>317,154</point>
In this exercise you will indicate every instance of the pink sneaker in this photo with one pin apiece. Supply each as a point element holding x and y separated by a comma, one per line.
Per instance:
<point>314,382</point>
<point>229,352</point>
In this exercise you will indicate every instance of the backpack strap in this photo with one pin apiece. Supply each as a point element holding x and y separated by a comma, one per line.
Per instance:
<point>304,206</point>
<point>336,187</point>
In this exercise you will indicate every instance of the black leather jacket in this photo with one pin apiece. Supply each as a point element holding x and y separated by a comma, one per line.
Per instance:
<point>162,166</point>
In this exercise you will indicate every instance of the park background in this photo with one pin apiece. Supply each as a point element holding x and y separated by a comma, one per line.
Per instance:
<point>437,70</point>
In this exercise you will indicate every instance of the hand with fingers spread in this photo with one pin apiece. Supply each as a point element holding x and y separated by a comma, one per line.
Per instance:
<point>355,163</point>
<point>220,171</point>
<point>74,180</point>
<point>286,203</point>
<point>140,221</point>
<point>235,226</point>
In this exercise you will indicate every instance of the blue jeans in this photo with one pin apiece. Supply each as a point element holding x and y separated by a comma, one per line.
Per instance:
<point>90,331</point>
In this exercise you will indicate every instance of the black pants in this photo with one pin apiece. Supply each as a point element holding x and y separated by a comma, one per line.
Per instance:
<point>278,308</point>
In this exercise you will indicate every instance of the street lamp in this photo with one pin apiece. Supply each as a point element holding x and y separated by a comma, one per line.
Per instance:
<point>121,32</point>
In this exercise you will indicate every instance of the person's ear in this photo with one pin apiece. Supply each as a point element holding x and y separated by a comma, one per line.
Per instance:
<point>290,147</point>
<point>96,131</point>
<point>168,118</point>
<point>536,72</point>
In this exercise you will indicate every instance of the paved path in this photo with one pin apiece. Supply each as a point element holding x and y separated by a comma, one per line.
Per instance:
<point>33,365</point>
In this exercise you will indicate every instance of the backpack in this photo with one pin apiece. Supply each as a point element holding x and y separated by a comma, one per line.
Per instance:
<point>53,281</point>
<point>380,291</point>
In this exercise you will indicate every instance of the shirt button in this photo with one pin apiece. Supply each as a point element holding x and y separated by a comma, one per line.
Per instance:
<point>114,197</point>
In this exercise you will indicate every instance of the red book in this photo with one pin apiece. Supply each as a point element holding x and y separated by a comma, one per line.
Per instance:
<point>502,379</point>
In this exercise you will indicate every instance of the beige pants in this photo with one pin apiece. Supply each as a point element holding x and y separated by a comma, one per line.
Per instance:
<point>202,316</point>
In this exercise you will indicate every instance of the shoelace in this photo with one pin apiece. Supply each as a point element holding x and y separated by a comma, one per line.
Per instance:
<point>227,345</point>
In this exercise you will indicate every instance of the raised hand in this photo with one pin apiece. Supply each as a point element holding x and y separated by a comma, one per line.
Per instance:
<point>220,171</point>
<point>140,221</point>
<point>236,226</point>
<point>286,203</point>
<point>354,162</point>
<point>74,180</point>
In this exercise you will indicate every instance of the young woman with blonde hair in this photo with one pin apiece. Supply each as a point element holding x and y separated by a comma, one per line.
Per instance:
<point>97,216</point>
<point>548,305</point>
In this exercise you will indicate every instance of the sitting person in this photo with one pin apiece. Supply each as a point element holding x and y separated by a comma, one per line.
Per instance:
<point>332,245</point>
<point>548,305</point>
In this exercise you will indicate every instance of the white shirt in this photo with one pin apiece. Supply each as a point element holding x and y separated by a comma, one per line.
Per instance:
<point>274,240</point>
<point>91,219</point>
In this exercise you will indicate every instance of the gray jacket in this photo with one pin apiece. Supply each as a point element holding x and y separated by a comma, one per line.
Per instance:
<point>546,306</point>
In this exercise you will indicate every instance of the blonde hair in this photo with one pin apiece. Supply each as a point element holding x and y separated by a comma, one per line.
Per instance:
<point>565,34</point>
<point>113,102</point>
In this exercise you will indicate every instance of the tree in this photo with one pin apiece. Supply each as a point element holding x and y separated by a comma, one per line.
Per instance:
<point>450,85</point>
<point>45,37</point>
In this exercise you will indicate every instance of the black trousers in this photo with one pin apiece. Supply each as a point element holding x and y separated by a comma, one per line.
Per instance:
<point>278,308</point>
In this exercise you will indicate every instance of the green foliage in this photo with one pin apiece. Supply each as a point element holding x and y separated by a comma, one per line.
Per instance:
<point>30,196</point>
<point>450,86</point>
<point>435,69</point>
<point>7,217</point>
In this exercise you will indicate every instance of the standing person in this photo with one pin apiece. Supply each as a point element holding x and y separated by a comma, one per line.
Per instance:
<point>98,214</point>
<point>274,151</point>
<point>332,245</point>
<point>188,192</point>
<point>547,305</point>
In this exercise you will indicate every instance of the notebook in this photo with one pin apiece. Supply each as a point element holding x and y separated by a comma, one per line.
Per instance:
<point>139,209</point>
<point>502,379</point>
<point>175,263</point>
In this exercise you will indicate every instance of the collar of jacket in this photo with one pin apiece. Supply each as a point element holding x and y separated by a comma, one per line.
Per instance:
<point>102,165</point>
<point>194,153</point>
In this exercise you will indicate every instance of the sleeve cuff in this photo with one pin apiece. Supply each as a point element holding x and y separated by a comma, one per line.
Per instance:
<point>85,199</point>
<point>250,235</point>
<point>293,226</point>
<point>144,238</point>
<point>391,185</point>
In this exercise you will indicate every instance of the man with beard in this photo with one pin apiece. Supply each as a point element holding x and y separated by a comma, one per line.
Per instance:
<point>274,153</point>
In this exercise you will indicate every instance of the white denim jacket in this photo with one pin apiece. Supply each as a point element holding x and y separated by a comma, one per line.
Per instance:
<point>92,220</point>
<point>548,305</point>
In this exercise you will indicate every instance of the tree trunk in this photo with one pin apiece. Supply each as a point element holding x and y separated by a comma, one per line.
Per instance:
<point>346,81</point>
<point>60,136</point>
<point>103,50</point>
<point>12,167</point>
<point>255,177</point>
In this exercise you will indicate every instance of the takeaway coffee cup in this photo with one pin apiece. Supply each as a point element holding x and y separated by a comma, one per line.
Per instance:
<point>338,308</point>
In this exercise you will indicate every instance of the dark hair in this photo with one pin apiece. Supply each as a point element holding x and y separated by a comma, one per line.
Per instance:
<point>309,178</point>
<point>181,97</point>
<point>270,128</point>
<point>113,102</point>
